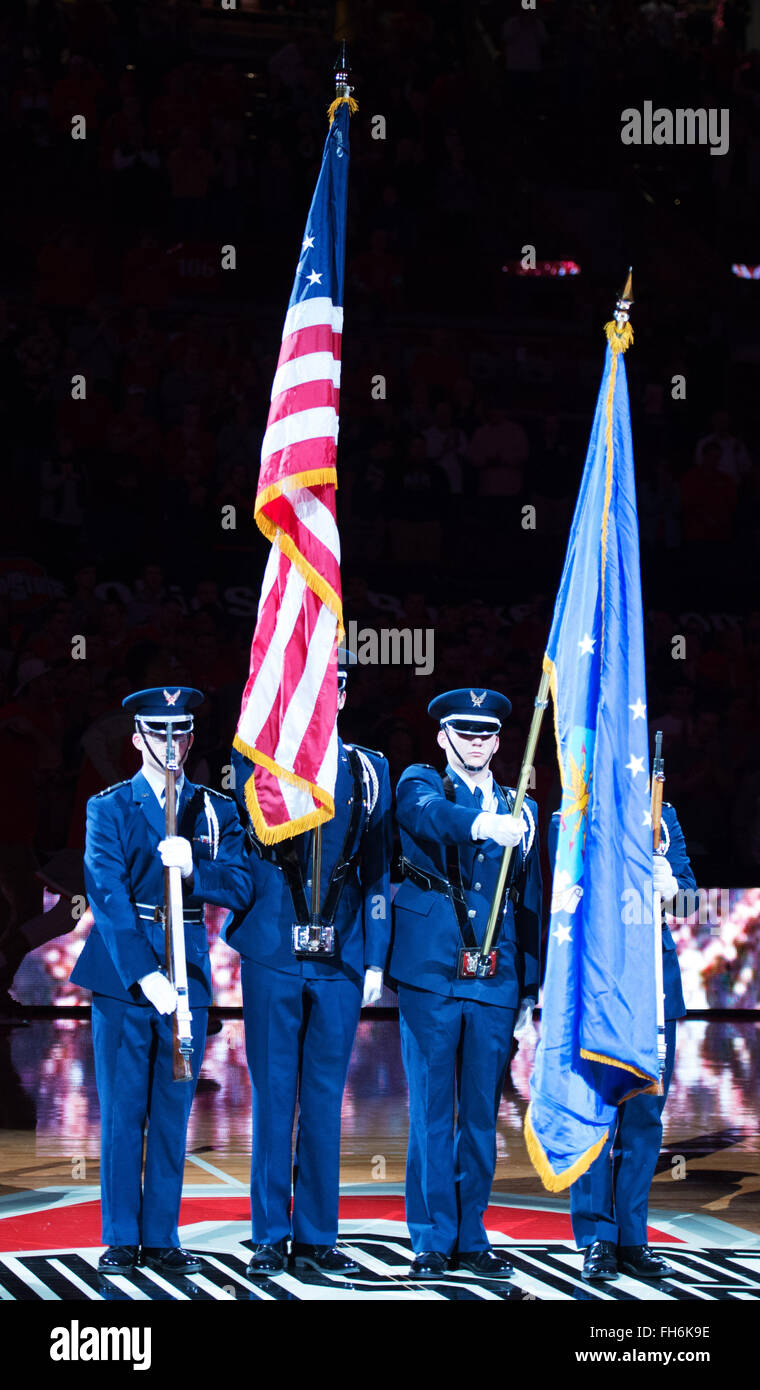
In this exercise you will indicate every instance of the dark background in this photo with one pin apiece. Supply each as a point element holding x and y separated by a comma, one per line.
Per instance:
<point>205,128</point>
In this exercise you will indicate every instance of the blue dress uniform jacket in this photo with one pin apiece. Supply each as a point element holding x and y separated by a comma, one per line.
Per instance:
<point>610,1201</point>
<point>363,921</point>
<point>456,1034</point>
<point>301,1015</point>
<point>132,1042</point>
<point>426,937</point>
<point>123,869</point>
<point>674,845</point>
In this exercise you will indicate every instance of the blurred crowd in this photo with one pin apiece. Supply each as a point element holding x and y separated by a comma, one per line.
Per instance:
<point>467,394</point>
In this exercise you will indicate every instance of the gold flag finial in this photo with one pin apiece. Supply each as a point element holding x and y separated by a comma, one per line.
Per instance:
<point>618,330</point>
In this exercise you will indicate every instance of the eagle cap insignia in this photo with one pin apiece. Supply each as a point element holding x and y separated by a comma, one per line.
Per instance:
<point>477,700</point>
<point>171,699</point>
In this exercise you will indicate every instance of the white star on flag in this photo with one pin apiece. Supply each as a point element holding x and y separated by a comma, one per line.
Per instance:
<point>308,242</point>
<point>315,278</point>
<point>562,934</point>
<point>635,766</point>
<point>639,709</point>
<point>647,819</point>
<point>586,645</point>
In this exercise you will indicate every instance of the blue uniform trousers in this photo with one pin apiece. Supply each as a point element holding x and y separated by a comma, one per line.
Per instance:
<point>298,1035</point>
<point>133,1071</point>
<point>454,1050</point>
<point>610,1201</point>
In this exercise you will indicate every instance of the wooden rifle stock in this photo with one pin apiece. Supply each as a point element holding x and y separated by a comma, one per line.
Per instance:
<point>181,1068</point>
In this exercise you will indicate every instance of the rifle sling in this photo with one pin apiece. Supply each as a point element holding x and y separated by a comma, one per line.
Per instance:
<point>285,856</point>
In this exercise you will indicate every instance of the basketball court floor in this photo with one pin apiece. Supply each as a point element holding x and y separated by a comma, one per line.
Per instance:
<point>704,1210</point>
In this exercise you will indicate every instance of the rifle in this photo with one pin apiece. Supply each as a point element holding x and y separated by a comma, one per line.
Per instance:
<point>658,783</point>
<point>492,925</point>
<point>174,931</point>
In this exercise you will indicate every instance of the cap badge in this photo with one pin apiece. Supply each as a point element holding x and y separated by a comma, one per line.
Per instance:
<point>477,700</point>
<point>171,699</point>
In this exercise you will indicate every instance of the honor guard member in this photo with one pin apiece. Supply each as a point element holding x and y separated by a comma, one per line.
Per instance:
<point>456,1033</point>
<point>608,1204</point>
<point>122,962</point>
<point>314,948</point>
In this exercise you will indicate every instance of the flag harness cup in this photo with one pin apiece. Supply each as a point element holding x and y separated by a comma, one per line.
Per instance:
<point>314,934</point>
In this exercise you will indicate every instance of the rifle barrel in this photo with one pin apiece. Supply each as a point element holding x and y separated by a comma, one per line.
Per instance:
<point>181,1068</point>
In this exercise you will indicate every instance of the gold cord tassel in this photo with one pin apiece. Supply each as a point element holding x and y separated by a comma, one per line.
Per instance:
<point>619,335</point>
<point>353,106</point>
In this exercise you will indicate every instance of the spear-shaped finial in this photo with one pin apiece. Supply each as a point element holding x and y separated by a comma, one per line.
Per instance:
<point>342,72</point>
<point>618,330</point>
<point>343,88</point>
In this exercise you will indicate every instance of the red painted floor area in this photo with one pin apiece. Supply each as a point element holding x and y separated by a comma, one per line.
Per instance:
<point>78,1225</point>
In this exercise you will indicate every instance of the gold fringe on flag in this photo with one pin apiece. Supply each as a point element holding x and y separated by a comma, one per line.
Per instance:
<point>614,1062</point>
<point>272,835</point>
<point>557,1182</point>
<point>353,106</point>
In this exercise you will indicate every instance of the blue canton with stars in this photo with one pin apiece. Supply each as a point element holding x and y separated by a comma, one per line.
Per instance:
<point>323,249</point>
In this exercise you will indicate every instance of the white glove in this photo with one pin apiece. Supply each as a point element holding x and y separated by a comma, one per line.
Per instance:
<point>162,994</point>
<point>505,830</point>
<point>177,853</point>
<point>373,987</point>
<point>524,1017</point>
<point>665,882</point>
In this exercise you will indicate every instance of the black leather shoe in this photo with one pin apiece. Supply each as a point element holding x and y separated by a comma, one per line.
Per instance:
<point>429,1264</point>
<point>118,1258</point>
<point>642,1262</point>
<point>173,1260</point>
<point>327,1259</point>
<point>600,1261</point>
<point>489,1263</point>
<point>267,1260</point>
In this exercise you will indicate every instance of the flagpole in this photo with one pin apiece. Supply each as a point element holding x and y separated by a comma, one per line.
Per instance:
<point>620,334</point>
<point>598,1040</point>
<point>492,926</point>
<point>289,787</point>
<point>619,329</point>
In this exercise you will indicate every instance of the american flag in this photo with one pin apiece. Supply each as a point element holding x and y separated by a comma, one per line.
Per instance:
<point>287,728</point>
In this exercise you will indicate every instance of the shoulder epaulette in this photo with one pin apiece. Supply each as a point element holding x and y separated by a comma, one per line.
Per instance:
<point>114,787</point>
<point>361,749</point>
<point>199,787</point>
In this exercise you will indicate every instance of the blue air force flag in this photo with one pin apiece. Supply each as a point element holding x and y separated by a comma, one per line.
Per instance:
<point>598,1040</point>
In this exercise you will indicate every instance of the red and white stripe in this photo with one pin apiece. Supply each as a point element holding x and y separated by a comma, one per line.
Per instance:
<point>289,706</point>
